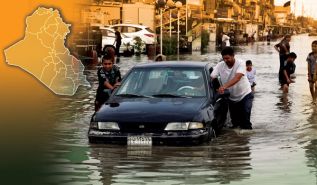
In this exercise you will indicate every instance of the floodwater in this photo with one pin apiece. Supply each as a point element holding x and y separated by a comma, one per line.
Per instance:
<point>282,149</point>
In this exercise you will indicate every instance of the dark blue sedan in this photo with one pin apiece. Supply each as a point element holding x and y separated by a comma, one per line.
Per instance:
<point>161,103</point>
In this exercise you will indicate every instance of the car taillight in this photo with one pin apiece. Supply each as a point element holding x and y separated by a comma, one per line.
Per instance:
<point>149,35</point>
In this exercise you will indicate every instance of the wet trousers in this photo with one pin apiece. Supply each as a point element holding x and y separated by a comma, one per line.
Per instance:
<point>282,63</point>
<point>240,112</point>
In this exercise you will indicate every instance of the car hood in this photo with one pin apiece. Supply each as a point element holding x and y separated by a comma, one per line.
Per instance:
<point>151,110</point>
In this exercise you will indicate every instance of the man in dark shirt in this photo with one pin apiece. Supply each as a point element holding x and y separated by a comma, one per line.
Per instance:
<point>118,41</point>
<point>288,69</point>
<point>109,78</point>
<point>283,48</point>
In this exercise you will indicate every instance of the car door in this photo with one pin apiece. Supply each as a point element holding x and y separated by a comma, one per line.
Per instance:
<point>220,105</point>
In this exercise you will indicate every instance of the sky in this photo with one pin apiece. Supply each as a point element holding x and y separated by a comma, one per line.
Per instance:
<point>309,7</point>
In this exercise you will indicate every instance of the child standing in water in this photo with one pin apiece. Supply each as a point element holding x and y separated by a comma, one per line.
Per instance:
<point>109,78</point>
<point>288,69</point>
<point>312,70</point>
<point>251,72</point>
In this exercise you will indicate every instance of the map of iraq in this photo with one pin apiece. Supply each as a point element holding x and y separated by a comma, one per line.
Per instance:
<point>42,53</point>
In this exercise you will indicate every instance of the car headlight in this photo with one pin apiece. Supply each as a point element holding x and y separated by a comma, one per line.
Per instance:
<point>108,125</point>
<point>177,126</point>
<point>183,126</point>
<point>195,125</point>
<point>105,125</point>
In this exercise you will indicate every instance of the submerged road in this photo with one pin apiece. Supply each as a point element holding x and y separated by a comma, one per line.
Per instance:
<point>282,149</point>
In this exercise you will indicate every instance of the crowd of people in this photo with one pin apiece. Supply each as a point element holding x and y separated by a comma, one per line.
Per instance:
<point>234,38</point>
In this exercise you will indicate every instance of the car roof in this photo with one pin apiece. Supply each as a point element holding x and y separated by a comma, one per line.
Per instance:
<point>173,64</point>
<point>132,25</point>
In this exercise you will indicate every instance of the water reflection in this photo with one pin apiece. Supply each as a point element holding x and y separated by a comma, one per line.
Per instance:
<point>284,104</point>
<point>224,161</point>
<point>311,151</point>
<point>311,148</point>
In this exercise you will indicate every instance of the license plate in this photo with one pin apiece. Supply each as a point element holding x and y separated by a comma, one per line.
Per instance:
<point>139,140</point>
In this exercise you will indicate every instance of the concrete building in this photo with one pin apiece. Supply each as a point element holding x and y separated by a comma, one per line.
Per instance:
<point>138,13</point>
<point>102,12</point>
<point>285,20</point>
<point>113,12</point>
<point>281,14</point>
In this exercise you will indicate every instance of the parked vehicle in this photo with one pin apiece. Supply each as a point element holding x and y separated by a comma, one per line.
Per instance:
<point>135,30</point>
<point>87,39</point>
<point>108,40</point>
<point>161,103</point>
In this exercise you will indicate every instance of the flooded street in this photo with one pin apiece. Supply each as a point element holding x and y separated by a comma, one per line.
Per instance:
<point>282,149</point>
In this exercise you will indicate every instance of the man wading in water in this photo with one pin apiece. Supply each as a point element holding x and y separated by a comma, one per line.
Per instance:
<point>284,49</point>
<point>232,73</point>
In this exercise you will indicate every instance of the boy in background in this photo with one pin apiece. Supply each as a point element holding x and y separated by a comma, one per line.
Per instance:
<point>109,78</point>
<point>288,69</point>
<point>251,72</point>
<point>312,70</point>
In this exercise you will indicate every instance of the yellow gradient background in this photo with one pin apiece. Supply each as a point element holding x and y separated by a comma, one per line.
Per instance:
<point>24,100</point>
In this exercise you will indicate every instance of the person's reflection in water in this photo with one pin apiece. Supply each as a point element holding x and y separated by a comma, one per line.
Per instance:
<point>284,103</point>
<point>311,154</point>
<point>231,161</point>
<point>311,148</point>
<point>110,157</point>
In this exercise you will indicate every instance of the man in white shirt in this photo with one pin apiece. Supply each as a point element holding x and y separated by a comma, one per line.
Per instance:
<point>225,40</point>
<point>251,72</point>
<point>232,73</point>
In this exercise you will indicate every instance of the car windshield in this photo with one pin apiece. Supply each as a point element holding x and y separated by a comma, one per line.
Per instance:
<point>164,82</point>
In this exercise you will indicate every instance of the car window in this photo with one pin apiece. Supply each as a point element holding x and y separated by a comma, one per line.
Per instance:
<point>107,33</point>
<point>149,30</point>
<point>123,29</point>
<point>137,29</point>
<point>120,28</point>
<point>132,83</point>
<point>128,29</point>
<point>131,29</point>
<point>172,81</point>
